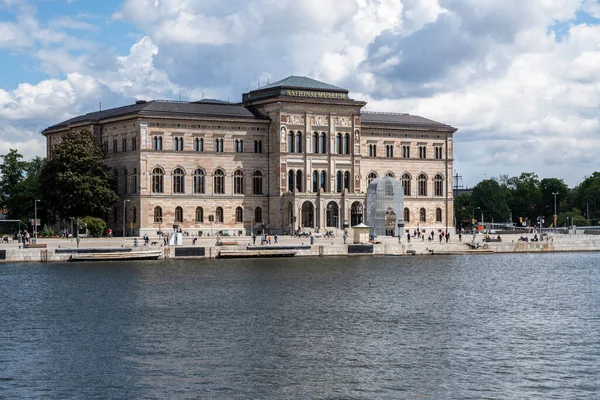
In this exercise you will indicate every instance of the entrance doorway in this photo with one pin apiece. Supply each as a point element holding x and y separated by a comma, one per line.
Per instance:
<point>356,213</point>
<point>308,215</point>
<point>333,214</point>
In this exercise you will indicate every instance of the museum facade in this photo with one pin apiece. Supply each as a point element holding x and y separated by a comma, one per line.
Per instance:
<point>296,153</point>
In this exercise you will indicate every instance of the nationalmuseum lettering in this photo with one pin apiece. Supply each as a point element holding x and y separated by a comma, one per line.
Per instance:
<point>319,95</point>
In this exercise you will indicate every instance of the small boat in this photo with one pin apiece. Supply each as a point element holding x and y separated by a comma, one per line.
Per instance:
<point>122,256</point>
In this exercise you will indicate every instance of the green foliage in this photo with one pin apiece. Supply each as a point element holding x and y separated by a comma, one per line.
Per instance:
<point>525,196</point>
<point>20,185</point>
<point>463,209</point>
<point>95,226</point>
<point>47,232</point>
<point>588,196</point>
<point>490,197</point>
<point>76,180</point>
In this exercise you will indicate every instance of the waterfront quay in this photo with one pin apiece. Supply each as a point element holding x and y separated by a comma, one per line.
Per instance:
<point>55,250</point>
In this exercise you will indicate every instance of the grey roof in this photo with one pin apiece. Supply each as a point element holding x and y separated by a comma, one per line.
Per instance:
<point>302,82</point>
<point>399,119</point>
<point>209,107</point>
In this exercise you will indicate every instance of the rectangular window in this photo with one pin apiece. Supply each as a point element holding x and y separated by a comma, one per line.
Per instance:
<point>389,150</point>
<point>115,146</point>
<point>405,151</point>
<point>422,152</point>
<point>218,145</point>
<point>157,143</point>
<point>438,153</point>
<point>124,145</point>
<point>178,143</point>
<point>133,143</point>
<point>372,150</point>
<point>106,147</point>
<point>258,146</point>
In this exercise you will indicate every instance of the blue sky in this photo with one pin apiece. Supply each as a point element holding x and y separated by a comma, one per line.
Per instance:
<point>520,80</point>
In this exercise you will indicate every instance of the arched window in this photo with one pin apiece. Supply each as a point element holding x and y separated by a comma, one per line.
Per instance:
<point>258,215</point>
<point>315,142</point>
<point>323,143</point>
<point>219,182</point>
<point>338,143</point>
<point>371,177</point>
<point>199,181</point>
<point>158,178</point>
<point>178,181</point>
<point>438,215</point>
<point>299,181</point>
<point>298,142</point>
<point>422,185</point>
<point>315,181</point>
<point>389,188</point>
<point>157,214</point>
<point>290,142</point>
<point>291,176</point>
<point>323,184</point>
<point>178,214</point>
<point>347,180</point>
<point>239,214</point>
<point>219,215</point>
<point>406,214</point>
<point>338,182</point>
<point>257,182</point>
<point>423,215</point>
<point>406,184</point>
<point>199,214</point>
<point>438,183</point>
<point>347,143</point>
<point>238,182</point>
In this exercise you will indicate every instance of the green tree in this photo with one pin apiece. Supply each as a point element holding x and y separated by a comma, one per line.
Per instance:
<point>549,186</point>
<point>20,185</point>
<point>588,197</point>
<point>524,196</point>
<point>94,225</point>
<point>490,197</point>
<point>463,209</point>
<point>76,180</point>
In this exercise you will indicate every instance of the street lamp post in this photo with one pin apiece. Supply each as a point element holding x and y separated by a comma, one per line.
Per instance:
<point>124,215</point>
<point>555,216</point>
<point>35,221</point>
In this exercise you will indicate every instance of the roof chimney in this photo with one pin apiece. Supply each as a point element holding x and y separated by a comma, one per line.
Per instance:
<point>140,102</point>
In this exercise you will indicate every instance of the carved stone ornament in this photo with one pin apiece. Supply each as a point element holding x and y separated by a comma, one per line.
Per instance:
<point>297,119</point>
<point>343,121</point>
<point>283,133</point>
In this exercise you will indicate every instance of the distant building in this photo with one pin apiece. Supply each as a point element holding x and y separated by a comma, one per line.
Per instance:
<point>294,153</point>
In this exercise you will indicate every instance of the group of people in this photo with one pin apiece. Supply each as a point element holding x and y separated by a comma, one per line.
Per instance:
<point>443,235</point>
<point>23,236</point>
<point>266,239</point>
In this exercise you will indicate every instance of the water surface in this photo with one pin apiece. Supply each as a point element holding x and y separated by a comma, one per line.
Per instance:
<point>463,327</point>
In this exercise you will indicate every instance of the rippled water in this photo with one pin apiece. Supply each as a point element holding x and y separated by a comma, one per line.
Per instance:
<point>464,327</point>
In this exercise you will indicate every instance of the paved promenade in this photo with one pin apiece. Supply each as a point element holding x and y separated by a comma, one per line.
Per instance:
<point>322,246</point>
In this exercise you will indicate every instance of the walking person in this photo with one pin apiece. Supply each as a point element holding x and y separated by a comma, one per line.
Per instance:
<point>253,239</point>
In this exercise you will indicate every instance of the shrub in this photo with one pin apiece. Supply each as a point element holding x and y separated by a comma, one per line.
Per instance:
<point>95,226</point>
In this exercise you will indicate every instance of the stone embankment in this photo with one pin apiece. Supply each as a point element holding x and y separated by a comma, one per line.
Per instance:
<point>53,250</point>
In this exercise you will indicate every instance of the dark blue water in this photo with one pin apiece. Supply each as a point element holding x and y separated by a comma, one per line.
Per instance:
<point>464,327</point>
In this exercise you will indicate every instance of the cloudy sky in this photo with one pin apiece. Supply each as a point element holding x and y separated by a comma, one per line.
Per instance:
<point>520,79</point>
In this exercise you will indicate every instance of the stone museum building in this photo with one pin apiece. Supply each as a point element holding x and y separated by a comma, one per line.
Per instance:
<point>296,153</point>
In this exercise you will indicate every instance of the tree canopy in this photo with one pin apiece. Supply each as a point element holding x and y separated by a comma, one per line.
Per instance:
<point>76,180</point>
<point>20,185</point>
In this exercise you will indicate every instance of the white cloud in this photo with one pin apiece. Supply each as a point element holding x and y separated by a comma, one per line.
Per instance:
<point>492,68</point>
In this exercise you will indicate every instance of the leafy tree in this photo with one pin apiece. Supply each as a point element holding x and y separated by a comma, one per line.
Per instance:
<point>94,225</point>
<point>20,185</point>
<point>588,197</point>
<point>463,209</point>
<point>490,197</point>
<point>76,180</point>
<point>525,196</point>
<point>549,186</point>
